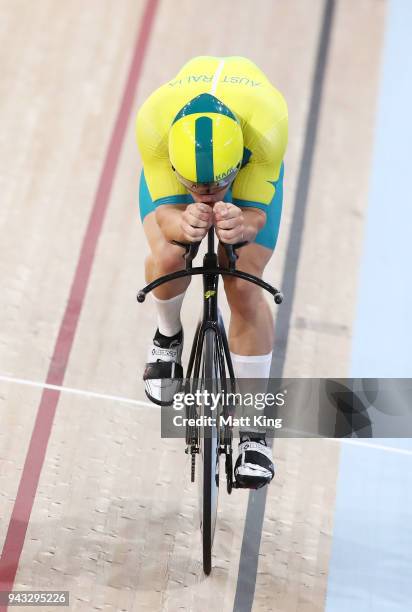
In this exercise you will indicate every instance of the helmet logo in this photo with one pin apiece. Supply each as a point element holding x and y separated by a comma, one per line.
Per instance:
<point>223,175</point>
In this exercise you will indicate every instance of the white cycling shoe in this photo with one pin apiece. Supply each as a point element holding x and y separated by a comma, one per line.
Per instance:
<point>254,466</point>
<point>164,373</point>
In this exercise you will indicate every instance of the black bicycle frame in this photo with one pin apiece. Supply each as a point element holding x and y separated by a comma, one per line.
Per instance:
<point>211,318</point>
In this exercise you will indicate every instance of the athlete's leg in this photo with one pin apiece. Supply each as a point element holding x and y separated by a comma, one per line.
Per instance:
<point>251,330</point>
<point>164,257</point>
<point>251,322</point>
<point>251,337</point>
<point>164,355</point>
<point>251,341</point>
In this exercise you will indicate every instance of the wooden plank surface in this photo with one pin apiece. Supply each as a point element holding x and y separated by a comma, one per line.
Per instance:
<point>114,520</point>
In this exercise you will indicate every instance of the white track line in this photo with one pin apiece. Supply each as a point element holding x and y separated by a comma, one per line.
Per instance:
<point>383,447</point>
<point>353,441</point>
<point>116,398</point>
<point>139,403</point>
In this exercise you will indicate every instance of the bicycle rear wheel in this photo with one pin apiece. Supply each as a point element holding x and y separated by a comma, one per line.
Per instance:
<point>208,451</point>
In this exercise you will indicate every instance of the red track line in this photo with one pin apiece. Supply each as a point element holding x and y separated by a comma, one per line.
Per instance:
<point>23,505</point>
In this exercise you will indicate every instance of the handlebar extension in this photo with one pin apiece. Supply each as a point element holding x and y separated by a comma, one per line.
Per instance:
<point>192,248</point>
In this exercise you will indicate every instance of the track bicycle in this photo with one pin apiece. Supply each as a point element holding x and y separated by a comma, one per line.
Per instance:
<point>209,369</point>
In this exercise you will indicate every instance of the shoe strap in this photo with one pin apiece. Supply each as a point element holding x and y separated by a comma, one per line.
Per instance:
<point>164,354</point>
<point>255,446</point>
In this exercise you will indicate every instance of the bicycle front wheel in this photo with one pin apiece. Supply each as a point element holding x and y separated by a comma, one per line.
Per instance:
<point>208,451</point>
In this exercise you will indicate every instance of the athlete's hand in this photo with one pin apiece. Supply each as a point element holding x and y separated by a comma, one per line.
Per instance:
<point>229,222</point>
<point>196,221</point>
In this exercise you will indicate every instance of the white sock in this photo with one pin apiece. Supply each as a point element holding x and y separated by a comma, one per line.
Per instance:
<point>251,366</point>
<point>168,314</point>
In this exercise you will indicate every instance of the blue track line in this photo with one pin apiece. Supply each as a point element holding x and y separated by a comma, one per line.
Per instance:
<point>370,568</point>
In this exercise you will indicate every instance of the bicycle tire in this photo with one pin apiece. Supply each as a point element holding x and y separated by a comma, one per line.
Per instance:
<point>209,454</point>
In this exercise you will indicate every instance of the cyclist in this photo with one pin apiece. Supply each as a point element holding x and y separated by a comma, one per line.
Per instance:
<point>212,142</point>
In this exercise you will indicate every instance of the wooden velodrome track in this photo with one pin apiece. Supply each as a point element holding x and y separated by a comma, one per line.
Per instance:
<point>91,499</point>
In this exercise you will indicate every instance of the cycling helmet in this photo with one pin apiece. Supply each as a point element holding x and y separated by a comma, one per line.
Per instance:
<point>205,144</point>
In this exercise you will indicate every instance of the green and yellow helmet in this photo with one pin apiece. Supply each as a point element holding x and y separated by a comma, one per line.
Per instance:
<point>205,144</point>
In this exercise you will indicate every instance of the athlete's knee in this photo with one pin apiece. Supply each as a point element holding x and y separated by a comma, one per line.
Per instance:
<point>242,296</point>
<point>167,260</point>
